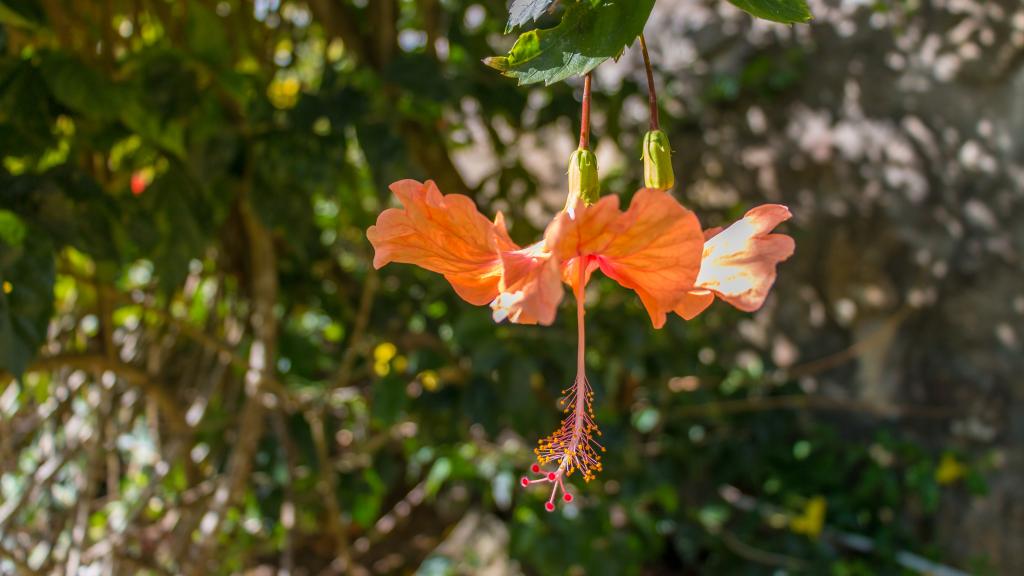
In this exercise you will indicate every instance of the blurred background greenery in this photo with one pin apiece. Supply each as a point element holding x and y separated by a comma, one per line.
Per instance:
<point>200,373</point>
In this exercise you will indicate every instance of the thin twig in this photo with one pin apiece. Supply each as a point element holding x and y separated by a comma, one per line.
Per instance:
<point>853,351</point>
<point>288,508</point>
<point>857,542</point>
<point>326,486</point>
<point>196,334</point>
<point>388,521</point>
<point>753,554</point>
<point>820,403</point>
<point>131,374</point>
<point>356,341</point>
<point>86,490</point>
<point>19,564</point>
<point>44,475</point>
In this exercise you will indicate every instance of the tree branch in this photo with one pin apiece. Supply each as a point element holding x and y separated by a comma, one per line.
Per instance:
<point>753,554</point>
<point>355,343</point>
<point>19,564</point>
<point>131,374</point>
<point>336,527</point>
<point>262,356</point>
<point>339,21</point>
<point>44,475</point>
<point>820,403</point>
<point>194,333</point>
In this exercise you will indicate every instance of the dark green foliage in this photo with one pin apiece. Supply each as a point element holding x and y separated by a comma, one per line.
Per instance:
<point>26,299</point>
<point>76,85</point>
<point>21,13</point>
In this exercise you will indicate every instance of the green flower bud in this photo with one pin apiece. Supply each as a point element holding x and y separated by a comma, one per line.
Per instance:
<point>658,161</point>
<point>583,181</point>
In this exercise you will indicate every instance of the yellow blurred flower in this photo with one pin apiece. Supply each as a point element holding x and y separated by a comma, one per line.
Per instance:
<point>8,287</point>
<point>384,352</point>
<point>430,380</point>
<point>284,93</point>
<point>950,470</point>
<point>401,363</point>
<point>812,520</point>
<point>382,356</point>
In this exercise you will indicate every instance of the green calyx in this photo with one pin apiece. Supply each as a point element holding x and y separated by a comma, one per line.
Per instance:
<point>658,172</point>
<point>583,180</point>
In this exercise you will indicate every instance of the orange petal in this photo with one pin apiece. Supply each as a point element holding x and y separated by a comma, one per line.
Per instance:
<point>653,247</point>
<point>583,230</point>
<point>739,262</point>
<point>531,287</point>
<point>571,274</point>
<point>444,234</point>
<point>693,303</point>
<point>579,232</point>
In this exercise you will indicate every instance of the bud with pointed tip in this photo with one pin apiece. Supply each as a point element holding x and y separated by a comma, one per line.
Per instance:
<point>583,181</point>
<point>658,161</point>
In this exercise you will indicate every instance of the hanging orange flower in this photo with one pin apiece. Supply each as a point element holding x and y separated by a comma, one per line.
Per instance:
<point>655,247</point>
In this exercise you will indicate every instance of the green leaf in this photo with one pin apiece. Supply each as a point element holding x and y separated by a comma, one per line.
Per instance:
<point>65,206</point>
<point>26,302</point>
<point>525,11</point>
<point>23,89</point>
<point>785,11</point>
<point>81,88</point>
<point>174,225</point>
<point>389,399</point>
<point>588,35</point>
<point>439,472</point>
<point>168,135</point>
<point>21,13</point>
<point>159,97</point>
<point>12,229</point>
<point>206,36</point>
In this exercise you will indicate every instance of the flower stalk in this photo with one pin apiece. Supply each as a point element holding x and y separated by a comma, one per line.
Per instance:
<point>652,96</point>
<point>585,115</point>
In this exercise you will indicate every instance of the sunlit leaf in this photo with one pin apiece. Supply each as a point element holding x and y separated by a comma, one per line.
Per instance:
<point>526,11</point>
<point>12,229</point>
<point>587,35</point>
<point>785,11</point>
<point>439,472</point>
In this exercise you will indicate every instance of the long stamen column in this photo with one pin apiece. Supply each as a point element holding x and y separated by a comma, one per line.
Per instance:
<point>573,445</point>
